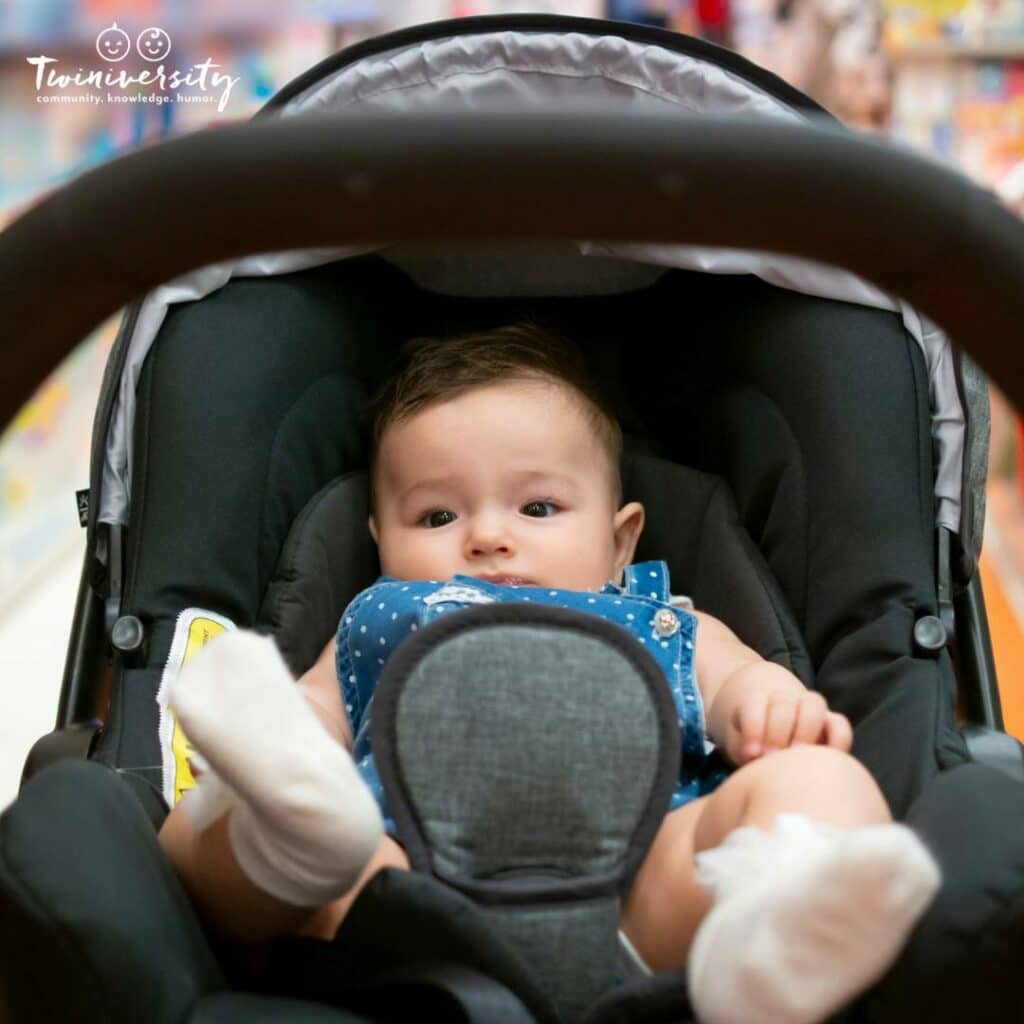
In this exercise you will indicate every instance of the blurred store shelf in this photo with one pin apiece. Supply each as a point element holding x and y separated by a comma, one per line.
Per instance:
<point>1002,579</point>
<point>1010,49</point>
<point>34,638</point>
<point>44,458</point>
<point>59,24</point>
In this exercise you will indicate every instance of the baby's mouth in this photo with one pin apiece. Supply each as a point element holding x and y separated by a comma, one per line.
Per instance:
<point>508,581</point>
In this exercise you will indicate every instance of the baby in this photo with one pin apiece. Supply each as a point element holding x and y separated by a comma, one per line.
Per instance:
<point>785,887</point>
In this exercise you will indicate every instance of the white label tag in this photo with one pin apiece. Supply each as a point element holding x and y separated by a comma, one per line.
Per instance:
<point>194,628</point>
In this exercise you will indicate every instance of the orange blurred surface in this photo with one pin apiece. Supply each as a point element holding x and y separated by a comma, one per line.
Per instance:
<point>1002,580</point>
<point>1007,648</point>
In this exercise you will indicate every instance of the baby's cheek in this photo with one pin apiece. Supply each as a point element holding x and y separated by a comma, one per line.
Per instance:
<point>419,554</point>
<point>585,562</point>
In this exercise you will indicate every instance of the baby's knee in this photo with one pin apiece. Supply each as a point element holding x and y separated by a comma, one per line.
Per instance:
<point>813,758</point>
<point>825,771</point>
<point>809,762</point>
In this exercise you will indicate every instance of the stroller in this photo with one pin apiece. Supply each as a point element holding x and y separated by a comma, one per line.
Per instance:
<point>820,436</point>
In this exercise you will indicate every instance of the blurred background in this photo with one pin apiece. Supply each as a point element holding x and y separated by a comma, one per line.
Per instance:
<point>943,76</point>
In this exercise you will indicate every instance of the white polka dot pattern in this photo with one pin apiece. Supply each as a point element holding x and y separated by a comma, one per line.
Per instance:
<point>381,617</point>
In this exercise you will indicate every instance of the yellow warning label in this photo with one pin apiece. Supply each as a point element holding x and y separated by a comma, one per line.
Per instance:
<point>200,632</point>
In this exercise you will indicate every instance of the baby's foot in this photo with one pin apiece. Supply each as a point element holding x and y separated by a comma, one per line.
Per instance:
<point>807,933</point>
<point>304,824</point>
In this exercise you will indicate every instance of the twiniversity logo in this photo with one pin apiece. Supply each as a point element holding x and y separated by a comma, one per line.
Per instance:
<point>200,83</point>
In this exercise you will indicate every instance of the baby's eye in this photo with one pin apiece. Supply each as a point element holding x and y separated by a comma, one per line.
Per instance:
<point>539,509</point>
<point>439,517</point>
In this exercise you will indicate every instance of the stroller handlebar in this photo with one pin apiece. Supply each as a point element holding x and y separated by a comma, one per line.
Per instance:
<point>916,229</point>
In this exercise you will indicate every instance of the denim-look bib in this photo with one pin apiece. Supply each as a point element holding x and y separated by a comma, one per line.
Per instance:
<point>383,615</point>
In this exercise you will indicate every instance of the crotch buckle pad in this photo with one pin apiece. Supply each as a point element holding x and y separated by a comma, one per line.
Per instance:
<point>528,755</point>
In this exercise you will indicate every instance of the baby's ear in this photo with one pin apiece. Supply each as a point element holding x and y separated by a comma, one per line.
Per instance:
<point>628,524</point>
<point>372,523</point>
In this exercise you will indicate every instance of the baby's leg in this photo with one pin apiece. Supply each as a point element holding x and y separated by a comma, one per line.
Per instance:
<point>232,907</point>
<point>827,787</point>
<point>803,917</point>
<point>301,827</point>
<point>666,903</point>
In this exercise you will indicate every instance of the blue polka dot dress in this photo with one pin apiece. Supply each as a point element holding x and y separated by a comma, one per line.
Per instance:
<point>382,616</point>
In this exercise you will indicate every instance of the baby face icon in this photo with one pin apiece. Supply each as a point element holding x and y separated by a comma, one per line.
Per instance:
<point>113,43</point>
<point>153,44</point>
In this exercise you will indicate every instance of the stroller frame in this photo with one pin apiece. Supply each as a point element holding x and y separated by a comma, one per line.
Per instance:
<point>940,206</point>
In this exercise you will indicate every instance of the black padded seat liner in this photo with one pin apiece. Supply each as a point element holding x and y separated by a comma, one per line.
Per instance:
<point>815,412</point>
<point>252,401</point>
<point>326,560</point>
<point>691,523</point>
<point>249,402</point>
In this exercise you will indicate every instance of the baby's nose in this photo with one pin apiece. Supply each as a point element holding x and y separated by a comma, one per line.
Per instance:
<point>487,546</point>
<point>488,537</point>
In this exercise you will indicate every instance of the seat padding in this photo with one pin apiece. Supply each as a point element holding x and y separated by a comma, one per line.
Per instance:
<point>528,756</point>
<point>89,898</point>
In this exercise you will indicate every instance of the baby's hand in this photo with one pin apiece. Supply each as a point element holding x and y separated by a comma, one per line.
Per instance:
<point>761,723</point>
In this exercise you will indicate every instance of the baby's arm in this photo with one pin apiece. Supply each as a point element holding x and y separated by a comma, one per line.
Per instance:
<point>755,706</point>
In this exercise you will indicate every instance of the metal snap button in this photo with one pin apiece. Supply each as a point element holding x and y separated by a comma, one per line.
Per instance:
<point>665,623</point>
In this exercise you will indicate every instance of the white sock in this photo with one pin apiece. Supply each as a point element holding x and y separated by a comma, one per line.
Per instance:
<point>303,823</point>
<point>805,918</point>
<point>209,798</point>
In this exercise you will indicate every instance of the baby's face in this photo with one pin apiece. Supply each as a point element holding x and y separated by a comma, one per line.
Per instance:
<point>507,482</point>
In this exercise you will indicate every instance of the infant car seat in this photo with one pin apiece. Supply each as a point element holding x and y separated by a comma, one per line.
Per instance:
<point>779,420</point>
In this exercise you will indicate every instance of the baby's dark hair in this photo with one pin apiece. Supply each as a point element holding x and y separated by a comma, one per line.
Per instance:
<point>438,369</point>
